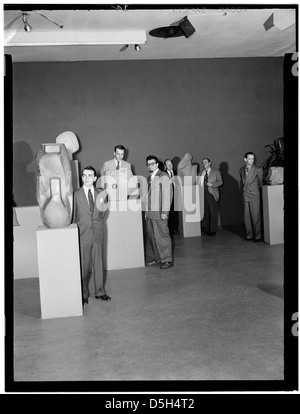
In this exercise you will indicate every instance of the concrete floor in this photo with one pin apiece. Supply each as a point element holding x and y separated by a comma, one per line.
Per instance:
<point>216,315</point>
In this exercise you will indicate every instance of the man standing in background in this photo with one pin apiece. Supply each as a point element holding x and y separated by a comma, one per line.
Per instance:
<point>211,181</point>
<point>252,180</point>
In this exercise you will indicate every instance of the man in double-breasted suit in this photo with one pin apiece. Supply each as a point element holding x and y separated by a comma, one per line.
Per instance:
<point>252,180</point>
<point>212,180</point>
<point>90,221</point>
<point>117,162</point>
<point>158,202</point>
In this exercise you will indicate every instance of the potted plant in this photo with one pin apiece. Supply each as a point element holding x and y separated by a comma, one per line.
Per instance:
<point>273,167</point>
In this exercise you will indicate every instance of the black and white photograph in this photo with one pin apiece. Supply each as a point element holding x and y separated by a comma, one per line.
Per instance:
<point>150,200</point>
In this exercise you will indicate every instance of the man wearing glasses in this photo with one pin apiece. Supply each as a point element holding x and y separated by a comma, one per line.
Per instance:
<point>159,198</point>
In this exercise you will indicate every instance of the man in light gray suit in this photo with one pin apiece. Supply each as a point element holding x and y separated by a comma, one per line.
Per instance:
<point>252,180</point>
<point>212,180</point>
<point>158,202</point>
<point>90,221</point>
<point>117,163</point>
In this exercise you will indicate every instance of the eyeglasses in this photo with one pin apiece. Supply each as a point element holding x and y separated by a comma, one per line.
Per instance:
<point>151,164</point>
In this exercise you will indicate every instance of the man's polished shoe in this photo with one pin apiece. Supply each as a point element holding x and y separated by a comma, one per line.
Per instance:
<point>212,233</point>
<point>257,240</point>
<point>103,297</point>
<point>166,265</point>
<point>246,239</point>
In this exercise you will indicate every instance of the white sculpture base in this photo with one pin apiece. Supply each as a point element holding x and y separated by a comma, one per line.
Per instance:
<point>272,196</point>
<point>191,214</point>
<point>25,249</point>
<point>124,246</point>
<point>59,272</point>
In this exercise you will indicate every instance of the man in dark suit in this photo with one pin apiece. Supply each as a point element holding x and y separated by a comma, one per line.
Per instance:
<point>173,221</point>
<point>211,180</point>
<point>252,180</point>
<point>90,221</point>
<point>158,201</point>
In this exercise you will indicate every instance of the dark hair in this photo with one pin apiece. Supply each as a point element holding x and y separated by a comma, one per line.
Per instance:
<point>205,158</point>
<point>152,157</point>
<point>121,147</point>
<point>90,168</point>
<point>249,153</point>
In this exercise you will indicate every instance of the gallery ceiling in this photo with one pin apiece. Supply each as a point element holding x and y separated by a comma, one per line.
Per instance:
<point>103,34</point>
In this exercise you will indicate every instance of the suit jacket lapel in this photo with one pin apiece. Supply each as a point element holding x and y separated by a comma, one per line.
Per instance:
<point>84,200</point>
<point>96,193</point>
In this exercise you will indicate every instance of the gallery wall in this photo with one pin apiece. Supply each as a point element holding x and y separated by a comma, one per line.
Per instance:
<point>216,108</point>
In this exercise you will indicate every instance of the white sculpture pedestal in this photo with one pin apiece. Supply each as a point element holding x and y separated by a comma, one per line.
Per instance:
<point>59,272</point>
<point>124,246</point>
<point>191,213</point>
<point>272,196</point>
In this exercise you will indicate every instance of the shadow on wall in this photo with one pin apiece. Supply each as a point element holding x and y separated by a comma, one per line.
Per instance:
<point>24,182</point>
<point>231,203</point>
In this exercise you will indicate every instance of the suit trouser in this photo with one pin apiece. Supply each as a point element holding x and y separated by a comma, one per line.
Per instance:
<point>160,241</point>
<point>173,221</point>
<point>92,258</point>
<point>210,218</point>
<point>252,218</point>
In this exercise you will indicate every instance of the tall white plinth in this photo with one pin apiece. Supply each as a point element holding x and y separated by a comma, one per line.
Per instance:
<point>272,196</point>
<point>59,272</point>
<point>124,246</point>
<point>191,211</point>
<point>25,249</point>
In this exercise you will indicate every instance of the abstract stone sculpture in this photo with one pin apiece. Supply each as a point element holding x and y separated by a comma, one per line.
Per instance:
<point>70,140</point>
<point>54,185</point>
<point>186,169</point>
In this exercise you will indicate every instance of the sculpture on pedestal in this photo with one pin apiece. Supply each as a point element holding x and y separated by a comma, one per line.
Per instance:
<point>54,181</point>
<point>185,168</point>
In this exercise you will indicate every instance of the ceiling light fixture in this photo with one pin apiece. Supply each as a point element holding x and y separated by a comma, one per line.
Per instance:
<point>50,20</point>
<point>68,38</point>
<point>282,19</point>
<point>182,28</point>
<point>27,26</point>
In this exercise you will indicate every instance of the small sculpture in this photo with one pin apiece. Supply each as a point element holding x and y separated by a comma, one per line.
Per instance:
<point>186,169</point>
<point>54,185</point>
<point>70,140</point>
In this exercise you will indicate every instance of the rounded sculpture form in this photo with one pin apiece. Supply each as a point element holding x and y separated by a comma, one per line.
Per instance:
<point>70,140</point>
<point>54,185</point>
<point>185,168</point>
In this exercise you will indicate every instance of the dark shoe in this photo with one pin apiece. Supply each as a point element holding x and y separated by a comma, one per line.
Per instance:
<point>246,239</point>
<point>205,233</point>
<point>166,265</point>
<point>212,233</point>
<point>257,240</point>
<point>85,301</point>
<point>103,297</point>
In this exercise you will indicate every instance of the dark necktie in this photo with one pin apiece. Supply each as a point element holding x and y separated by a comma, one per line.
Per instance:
<point>91,200</point>
<point>205,178</point>
<point>247,170</point>
<point>118,165</point>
